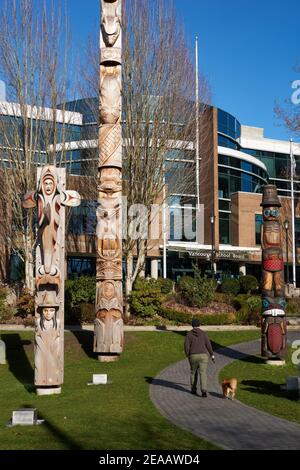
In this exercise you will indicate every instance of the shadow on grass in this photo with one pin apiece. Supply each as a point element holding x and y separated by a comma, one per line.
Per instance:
<point>168,384</point>
<point>265,387</point>
<point>85,339</point>
<point>17,360</point>
<point>58,434</point>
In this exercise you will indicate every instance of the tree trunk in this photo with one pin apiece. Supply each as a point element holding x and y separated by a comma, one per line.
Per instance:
<point>29,278</point>
<point>141,262</point>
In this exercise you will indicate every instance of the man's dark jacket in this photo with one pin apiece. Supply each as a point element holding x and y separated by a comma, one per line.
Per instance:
<point>197,342</point>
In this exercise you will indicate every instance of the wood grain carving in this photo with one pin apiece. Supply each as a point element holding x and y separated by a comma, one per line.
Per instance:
<point>274,344</point>
<point>108,333</point>
<point>50,199</point>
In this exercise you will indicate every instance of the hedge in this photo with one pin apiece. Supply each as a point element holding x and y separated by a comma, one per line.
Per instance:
<point>230,286</point>
<point>248,283</point>
<point>186,318</point>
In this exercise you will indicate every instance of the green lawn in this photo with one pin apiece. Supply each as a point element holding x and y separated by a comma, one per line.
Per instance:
<point>119,415</point>
<point>259,386</point>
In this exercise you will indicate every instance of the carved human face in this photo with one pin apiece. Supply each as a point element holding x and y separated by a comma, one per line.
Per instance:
<point>48,313</point>
<point>271,213</point>
<point>48,185</point>
<point>108,290</point>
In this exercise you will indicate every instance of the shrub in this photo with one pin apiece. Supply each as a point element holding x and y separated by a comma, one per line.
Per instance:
<point>3,293</point>
<point>73,315</point>
<point>293,306</point>
<point>87,313</point>
<point>248,309</point>
<point>230,286</point>
<point>186,318</point>
<point>240,301</point>
<point>6,311</point>
<point>198,291</point>
<point>248,283</point>
<point>166,285</point>
<point>7,314</point>
<point>254,310</point>
<point>80,290</point>
<point>223,298</point>
<point>145,298</point>
<point>242,315</point>
<point>25,304</point>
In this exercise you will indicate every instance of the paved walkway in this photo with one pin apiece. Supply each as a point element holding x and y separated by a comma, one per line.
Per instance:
<point>229,424</point>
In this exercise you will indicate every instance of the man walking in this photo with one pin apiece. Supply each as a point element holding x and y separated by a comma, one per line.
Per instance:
<point>197,347</point>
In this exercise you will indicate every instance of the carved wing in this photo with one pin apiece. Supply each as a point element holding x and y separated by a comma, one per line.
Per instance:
<point>70,198</point>
<point>30,200</point>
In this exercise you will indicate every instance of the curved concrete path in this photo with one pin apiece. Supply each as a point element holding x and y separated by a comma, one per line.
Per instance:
<point>229,424</point>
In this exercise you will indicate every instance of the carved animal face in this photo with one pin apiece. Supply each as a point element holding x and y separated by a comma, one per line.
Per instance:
<point>110,22</point>
<point>110,180</point>
<point>271,213</point>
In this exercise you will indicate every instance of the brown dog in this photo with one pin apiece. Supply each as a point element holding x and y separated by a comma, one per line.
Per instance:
<point>229,386</point>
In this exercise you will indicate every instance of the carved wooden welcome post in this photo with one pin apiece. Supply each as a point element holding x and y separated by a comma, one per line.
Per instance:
<point>108,333</point>
<point>274,344</point>
<point>50,199</point>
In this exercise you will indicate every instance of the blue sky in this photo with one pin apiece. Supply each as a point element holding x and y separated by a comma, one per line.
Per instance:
<point>247,50</point>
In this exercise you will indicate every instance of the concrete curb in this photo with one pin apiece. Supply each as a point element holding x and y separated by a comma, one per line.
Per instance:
<point>4,327</point>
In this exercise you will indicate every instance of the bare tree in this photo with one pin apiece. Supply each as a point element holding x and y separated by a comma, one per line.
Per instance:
<point>33,64</point>
<point>159,114</point>
<point>158,103</point>
<point>289,112</point>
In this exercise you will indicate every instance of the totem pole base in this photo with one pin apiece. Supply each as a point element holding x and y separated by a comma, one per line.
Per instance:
<point>48,390</point>
<point>275,362</point>
<point>108,357</point>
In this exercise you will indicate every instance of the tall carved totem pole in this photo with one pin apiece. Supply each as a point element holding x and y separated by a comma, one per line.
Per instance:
<point>274,344</point>
<point>108,333</point>
<point>50,199</point>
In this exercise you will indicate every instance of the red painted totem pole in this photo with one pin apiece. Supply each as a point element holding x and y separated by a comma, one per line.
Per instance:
<point>273,345</point>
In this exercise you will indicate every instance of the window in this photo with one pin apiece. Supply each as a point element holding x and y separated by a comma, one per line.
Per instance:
<point>226,142</point>
<point>224,228</point>
<point>81,266</point>
<point>83,219</point>
<point>227,124</point>
<point>258,223</point>
<point>297,231</point>
<point>182,224</point>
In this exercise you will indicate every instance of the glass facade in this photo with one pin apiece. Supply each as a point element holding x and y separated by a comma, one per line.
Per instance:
<point>235,174</point>
<point>83,219</point>
<point>278,166</point>
<point>227,142</point>
<point>258,223</point>
<point>43,131</point>
<point>224,227</point>
<point>182,218</point>
<point>81,266</point>
<point>80,162</point>
<point>231,181</point>
<point>228,125</point>
<point>297,232</point>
